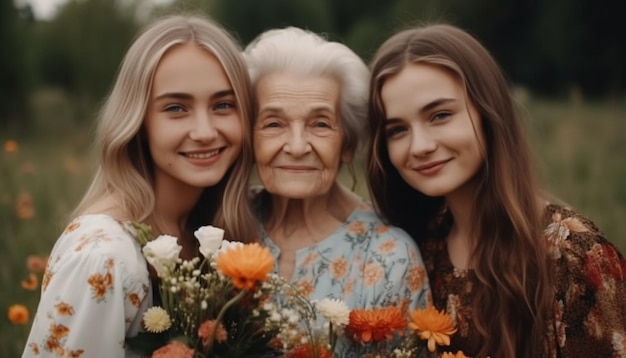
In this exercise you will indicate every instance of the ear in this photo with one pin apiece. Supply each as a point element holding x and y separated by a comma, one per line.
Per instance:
<point>347,157</point>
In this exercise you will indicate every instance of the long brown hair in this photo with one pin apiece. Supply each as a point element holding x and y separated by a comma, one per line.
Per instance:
<point>513,281</point>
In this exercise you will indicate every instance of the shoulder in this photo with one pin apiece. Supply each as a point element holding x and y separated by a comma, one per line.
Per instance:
<point>366,221</point>
<point>568,230</point>
<point>93,238</point>
<point>577,245</point>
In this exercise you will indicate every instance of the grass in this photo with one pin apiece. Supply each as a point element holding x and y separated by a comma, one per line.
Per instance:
<point>580,147</point>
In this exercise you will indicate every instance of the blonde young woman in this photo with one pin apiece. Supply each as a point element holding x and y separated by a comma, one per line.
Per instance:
<point>522,276</point>
<point>174,152</point>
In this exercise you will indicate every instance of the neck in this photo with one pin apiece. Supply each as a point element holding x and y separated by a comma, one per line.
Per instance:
<point>314,218</point>
<point>460,240</point>
<point>173,206</point>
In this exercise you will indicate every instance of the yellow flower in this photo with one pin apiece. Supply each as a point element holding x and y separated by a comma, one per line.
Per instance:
<point>18,314</point>
<point>246,264</point>
<point>156,320</point>
<point>432,325</point>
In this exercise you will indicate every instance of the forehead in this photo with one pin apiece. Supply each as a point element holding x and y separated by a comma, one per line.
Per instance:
<point>189,67</point>
<point>418,84</point>
<point>282,90</point>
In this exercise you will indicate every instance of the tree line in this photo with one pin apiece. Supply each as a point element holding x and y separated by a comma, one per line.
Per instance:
<point>549,47</point>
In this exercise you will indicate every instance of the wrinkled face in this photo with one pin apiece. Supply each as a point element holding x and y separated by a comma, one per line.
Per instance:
<point>434,134</point>
<point>193,123</point>
<point>298,134</point>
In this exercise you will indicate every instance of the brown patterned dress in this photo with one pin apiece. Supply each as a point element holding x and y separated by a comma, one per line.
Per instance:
<point>590,302</point>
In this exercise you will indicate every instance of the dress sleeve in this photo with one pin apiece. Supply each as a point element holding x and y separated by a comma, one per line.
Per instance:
<point>406,280</point>
<point>88,303</point>
<point>590,307</point>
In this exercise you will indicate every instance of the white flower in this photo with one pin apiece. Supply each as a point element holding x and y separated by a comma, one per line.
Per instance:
<point>227,245</point>
<point>156,320</point>
<point>162,254</point>
<point>210,239</point>
<point>335,311</point>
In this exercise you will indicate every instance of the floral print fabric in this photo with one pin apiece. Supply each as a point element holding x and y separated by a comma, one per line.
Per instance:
<point>94,291</point>
<point>365,263</point>
<point>590,301</point>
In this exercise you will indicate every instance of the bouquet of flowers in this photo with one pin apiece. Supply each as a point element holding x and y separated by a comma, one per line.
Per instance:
<point>226,303</point>
<point>383,332</point>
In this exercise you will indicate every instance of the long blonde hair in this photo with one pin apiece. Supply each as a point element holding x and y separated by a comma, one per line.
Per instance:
<point>125,169</point>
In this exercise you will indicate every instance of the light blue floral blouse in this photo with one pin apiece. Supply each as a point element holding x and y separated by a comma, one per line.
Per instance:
<point>365,263</point>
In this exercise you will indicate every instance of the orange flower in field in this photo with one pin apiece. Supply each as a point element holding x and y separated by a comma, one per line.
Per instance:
<point>375,325</point>
<point>18,314</point>
<point>31,283</point>
<point>173,349</point>
<point>246,264</point>
<point>306,351</point>
<point>432,325</point>
<point>206,328</point>
<point>24,207</point>
<point>36,263</point>
<point>10,146</point>
<point>458,354</point>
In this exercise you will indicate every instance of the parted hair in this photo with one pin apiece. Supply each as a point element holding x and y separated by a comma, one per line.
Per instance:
<point>124,165</point>
<point>511,271</point>
<point>294,50</point>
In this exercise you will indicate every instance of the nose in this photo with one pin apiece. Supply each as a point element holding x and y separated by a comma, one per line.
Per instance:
<point>422,142</point>
<point>202,129</point>
<point>297,143</point>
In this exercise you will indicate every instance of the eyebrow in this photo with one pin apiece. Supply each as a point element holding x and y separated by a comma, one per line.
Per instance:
<point>429,106</point>
<point>187,96</point>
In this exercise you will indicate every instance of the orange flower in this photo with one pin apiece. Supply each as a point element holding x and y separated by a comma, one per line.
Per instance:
<point>31,283</point>
<point>10,146</point>
<point>458,354</point>
<point>18,314</point>
<point>64,309</point>
<point>206,328</point>
<point>246,264</point>
<point>432,325</point>
<point>173,349</point>
<point>339,268</point>
<point>24,207</point>
<point>36,263</point>
<point>306,351</point>
<point>376,324</point>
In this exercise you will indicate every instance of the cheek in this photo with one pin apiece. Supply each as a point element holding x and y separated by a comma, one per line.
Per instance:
<point>396,153</point>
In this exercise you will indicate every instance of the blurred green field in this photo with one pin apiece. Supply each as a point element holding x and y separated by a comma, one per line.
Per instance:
<point>580,146</point>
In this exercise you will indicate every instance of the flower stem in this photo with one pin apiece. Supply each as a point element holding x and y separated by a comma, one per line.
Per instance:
<point>220,316</point>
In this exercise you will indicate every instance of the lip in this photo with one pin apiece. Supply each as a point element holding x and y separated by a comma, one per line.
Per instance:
<point>431,168</point>
<point>203,157</point>
<point>296,168</point>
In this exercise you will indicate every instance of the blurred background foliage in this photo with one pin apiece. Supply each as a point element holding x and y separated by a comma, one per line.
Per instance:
<point>550,47</point>
<point>565,61</point>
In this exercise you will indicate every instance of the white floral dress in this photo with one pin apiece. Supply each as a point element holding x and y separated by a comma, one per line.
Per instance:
<point>93,294</point>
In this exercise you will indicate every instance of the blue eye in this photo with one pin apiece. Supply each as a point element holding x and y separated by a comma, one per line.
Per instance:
<point>393,131</point>
<point>174,108</point>
<point>441,116</point>
<point>224,105</point>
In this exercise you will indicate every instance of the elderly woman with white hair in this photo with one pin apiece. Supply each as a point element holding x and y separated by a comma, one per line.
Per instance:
<point>310,99</point>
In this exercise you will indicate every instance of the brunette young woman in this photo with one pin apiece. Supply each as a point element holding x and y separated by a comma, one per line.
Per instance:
<point>174,151</point>
<point>521,275</point>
